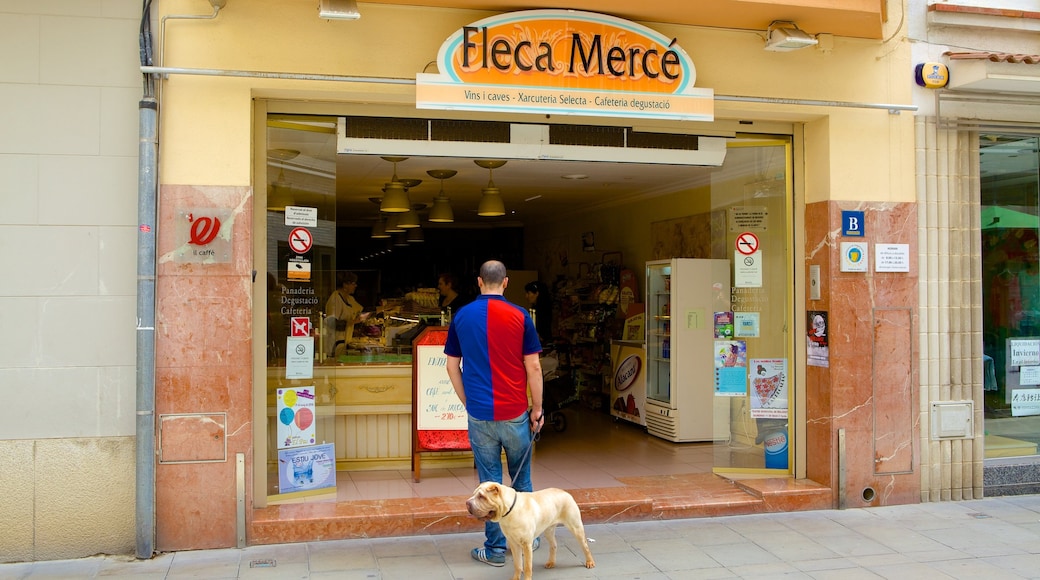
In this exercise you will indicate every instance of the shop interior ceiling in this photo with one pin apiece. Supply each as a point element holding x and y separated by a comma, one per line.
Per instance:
<point>304,169</point>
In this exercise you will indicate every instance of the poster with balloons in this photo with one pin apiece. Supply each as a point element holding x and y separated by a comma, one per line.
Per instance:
<point>295,417</point>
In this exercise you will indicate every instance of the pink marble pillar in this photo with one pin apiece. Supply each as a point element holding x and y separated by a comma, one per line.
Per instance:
<point>203,366</point>
<point>870,387</point>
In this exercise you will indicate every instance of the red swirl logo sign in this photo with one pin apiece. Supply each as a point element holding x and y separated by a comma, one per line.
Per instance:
<point>203,230</point>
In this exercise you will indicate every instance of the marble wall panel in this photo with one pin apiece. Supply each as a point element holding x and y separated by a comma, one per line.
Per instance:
<point>203,364</point>
<point>869,388</point>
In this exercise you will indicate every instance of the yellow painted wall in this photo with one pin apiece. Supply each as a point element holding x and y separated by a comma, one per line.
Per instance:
<point>851,153</point>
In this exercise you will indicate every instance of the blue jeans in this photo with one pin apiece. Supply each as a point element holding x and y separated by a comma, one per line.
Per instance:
<point>487,439</point>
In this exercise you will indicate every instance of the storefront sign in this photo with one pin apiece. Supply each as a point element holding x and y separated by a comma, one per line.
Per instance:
<point>564,62</point>
<point>203,236</point>
<point>852,224</point>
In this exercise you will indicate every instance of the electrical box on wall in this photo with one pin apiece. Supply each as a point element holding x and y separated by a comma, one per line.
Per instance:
<point>953,420</point>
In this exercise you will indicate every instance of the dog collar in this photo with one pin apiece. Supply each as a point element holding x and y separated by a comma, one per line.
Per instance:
<point>516,494</point>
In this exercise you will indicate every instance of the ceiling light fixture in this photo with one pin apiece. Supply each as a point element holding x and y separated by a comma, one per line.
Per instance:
<point>441,211</point>
<point>491,204</point>
<point>391,224</point>
<point>410,219</point>
<point>395,196</point>
<point>415,236</point>
<point>379,230</point>
<point>338,10</point>
<point>280,192</point>
<point>785,36</point>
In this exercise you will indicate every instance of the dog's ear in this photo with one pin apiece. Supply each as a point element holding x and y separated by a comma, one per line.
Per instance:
<point>495,489</point>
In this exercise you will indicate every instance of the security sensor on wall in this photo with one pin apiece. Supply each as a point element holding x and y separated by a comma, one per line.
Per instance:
<point>786,36</point>
<point>338,10</point>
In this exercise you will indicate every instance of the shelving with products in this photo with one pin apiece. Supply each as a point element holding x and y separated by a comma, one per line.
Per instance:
<point>587,307</point>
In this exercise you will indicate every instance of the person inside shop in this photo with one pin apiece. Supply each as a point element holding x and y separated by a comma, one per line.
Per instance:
<point>540,303</point>
<point>499,417</point>
<point>342,311</point>
<point>452,297</point>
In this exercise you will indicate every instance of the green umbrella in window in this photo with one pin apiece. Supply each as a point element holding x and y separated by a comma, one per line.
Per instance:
<point>994,217</point>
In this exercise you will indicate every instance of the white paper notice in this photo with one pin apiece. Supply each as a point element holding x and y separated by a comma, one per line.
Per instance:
<point>891,257</point>
<point>747,270</point>
<point>1029,376</point>
<point>299,357</point>
<point>1024,352</point>
<point>301,216</point>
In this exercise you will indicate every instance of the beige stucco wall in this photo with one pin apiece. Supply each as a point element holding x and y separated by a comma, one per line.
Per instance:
<point>67,498</point>
<point>69,87</point>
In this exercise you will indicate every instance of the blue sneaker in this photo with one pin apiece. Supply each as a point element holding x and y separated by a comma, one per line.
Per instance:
<point>488,557</point>
<point>537,542</point>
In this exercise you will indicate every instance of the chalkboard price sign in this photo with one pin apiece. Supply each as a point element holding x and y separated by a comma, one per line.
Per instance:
<point>437,406</point>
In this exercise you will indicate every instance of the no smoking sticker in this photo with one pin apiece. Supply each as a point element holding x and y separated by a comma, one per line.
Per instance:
<point>300,240</point>
<point>746,243</point>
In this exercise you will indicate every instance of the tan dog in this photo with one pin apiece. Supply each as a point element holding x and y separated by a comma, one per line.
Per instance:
<point>526,515</point>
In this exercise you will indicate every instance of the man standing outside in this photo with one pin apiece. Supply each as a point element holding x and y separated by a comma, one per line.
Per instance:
<point>500,345</point>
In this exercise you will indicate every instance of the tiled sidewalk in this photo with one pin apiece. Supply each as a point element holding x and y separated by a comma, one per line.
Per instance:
<point>993,538</point>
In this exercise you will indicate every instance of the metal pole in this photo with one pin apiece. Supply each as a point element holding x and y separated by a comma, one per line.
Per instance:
<point>841,469</point>
<point>146,230</point>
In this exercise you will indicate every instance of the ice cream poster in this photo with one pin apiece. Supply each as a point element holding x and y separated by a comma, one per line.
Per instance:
<point>306,468</point>
<point>295,417</point>
<point>768,388</point>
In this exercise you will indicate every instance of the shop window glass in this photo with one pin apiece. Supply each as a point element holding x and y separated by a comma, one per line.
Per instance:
<point>1008,170</point>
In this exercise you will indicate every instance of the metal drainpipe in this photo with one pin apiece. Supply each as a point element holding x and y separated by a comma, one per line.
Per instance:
<point>146,217</point>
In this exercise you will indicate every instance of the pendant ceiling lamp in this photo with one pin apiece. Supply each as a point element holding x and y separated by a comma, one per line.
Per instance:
<point>415,236</point>
<point>395,195</point>
<point>391,224</point>
<point>280,194</point>
<point>379,230</point>
<point>491,204</point>
<point>441,211</point>
<point>410,219</point>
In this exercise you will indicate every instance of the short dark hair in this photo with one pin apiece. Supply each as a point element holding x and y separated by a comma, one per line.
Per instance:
<point>345,278</point>
<point>449,279</point>
<point>493,272</point>
<point>536,286</point>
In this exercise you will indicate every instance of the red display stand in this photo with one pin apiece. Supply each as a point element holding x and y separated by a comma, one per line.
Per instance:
<point>437,411</point>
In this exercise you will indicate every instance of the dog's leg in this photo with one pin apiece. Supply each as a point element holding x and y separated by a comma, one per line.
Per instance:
<point>516,549</point>
<point>528,553</point>
<point>578,529</point>
<point>550,536</point>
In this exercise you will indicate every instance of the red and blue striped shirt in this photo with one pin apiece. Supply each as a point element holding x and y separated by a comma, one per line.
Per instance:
<point>492,336</point>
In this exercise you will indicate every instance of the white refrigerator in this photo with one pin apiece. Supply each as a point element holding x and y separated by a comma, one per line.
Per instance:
<point>682,296</point>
